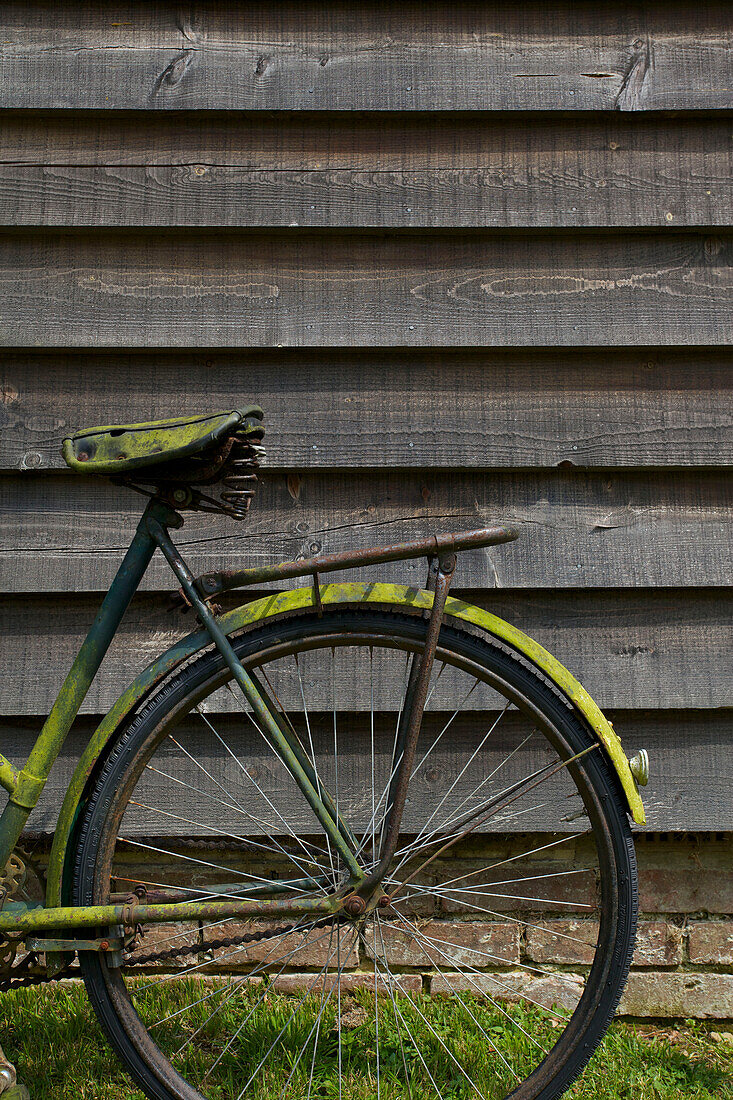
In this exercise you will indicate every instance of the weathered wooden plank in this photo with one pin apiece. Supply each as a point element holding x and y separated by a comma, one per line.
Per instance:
<point>631,649</point>
<point>578,530</point>
<point>428,170</point>
<point>208,290</point>
<point>691,763</point>
<point>446,408</point>
<point>463,56</point>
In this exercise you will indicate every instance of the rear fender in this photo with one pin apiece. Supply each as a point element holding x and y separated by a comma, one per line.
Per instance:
<point>392,595</point>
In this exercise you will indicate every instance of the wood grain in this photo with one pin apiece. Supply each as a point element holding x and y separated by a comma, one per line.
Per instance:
<point>206,290</point>
<point>691,759</point>
<point>631,649</point>
<point>578,530</point>
<point>500,291</point>
<point>448,408</point>
<point>406,57</point>
<point>335,170</point>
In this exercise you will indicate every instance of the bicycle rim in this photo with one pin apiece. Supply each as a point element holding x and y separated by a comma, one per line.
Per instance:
<point>501,953</point>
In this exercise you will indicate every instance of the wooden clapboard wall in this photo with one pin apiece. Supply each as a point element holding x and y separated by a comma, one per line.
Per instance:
<point>473,259</point>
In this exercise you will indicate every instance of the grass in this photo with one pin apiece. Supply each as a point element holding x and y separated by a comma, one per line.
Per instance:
<point>52,1035</point>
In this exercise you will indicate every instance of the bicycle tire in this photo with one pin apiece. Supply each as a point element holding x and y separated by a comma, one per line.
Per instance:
<point>115,992</point>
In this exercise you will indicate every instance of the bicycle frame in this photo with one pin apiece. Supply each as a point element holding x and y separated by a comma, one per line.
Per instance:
<point>152,533</point>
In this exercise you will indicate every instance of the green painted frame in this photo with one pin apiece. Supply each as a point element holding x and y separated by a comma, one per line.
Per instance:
<point>25,786</point>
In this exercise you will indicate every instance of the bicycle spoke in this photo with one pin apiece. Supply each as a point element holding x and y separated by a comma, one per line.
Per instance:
<point>187,971</point>
<point>482,814</point>
<point>316,1027</point>
<point>388,985</point>
<point>423,938</point>
<point>230,806</point>
<point>396,757</point>
<point>416,767</point>
<point>319,786</point>
<point>499,914</point>
<point>335,736</point>
<point>288,828</point>
<point>246,977</point>
<point>372,819</point>
<point>423,941</point>
<point>376,1012</point>
<point>200,894</point>
<point>223,832</point>
<point>285,959</point>
<point>264,826</point>
<point>287,1023</point>
<point>449,823</point>
<point>467,765</point>
<point>510,859</point>
<point>443,1045</point>
<point>189,859</point>
<point>527,967</point>
<point>447,725</point>
<point>324,1001</point>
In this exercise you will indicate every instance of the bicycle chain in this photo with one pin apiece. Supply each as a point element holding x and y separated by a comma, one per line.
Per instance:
<point>22,979</point>
<point>230,941</point>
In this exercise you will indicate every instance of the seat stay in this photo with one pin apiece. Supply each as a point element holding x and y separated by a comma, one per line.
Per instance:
<point>272,729</point>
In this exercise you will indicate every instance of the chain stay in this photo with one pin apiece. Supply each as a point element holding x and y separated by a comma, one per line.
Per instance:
<point>23,974</point>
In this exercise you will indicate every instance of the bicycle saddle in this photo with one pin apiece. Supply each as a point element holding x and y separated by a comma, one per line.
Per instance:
<point>118,449</point>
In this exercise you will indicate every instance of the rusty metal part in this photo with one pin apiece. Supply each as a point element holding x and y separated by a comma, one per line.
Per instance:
<point>22,918</point>
<point>219,944</point>
<point>355,905</point>
<point>317,594</point>
<point>19,975</point>
<point>30,973</point>
<point>407,710</point>
<point>213,583</point>
<point>9,1077</point>
<point>12,877</point>
<point>232,464</point>
<point>414,707</point>
<point>56,943</point>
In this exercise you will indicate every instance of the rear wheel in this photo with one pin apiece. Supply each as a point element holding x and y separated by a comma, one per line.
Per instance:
<point>495,965</point>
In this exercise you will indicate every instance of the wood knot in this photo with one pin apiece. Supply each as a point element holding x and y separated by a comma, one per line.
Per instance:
<point>634,90</point>
<point>174,73</point>
<point>294,482</point>
<point>713,247</point>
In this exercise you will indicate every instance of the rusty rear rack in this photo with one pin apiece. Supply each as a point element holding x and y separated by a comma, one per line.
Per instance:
<point>211,584</point>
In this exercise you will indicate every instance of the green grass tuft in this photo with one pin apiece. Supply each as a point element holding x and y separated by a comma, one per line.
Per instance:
<point>52,1035</point>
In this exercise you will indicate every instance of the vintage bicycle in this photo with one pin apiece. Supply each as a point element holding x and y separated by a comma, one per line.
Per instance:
<point>305,852</point>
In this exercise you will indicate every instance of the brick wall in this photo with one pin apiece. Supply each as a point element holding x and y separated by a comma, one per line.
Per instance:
<point>682,966</point>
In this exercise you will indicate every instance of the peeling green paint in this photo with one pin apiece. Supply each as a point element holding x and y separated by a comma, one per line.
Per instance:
<point>391,595</point>
<point>8,775</point>
<point>22,918</point>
